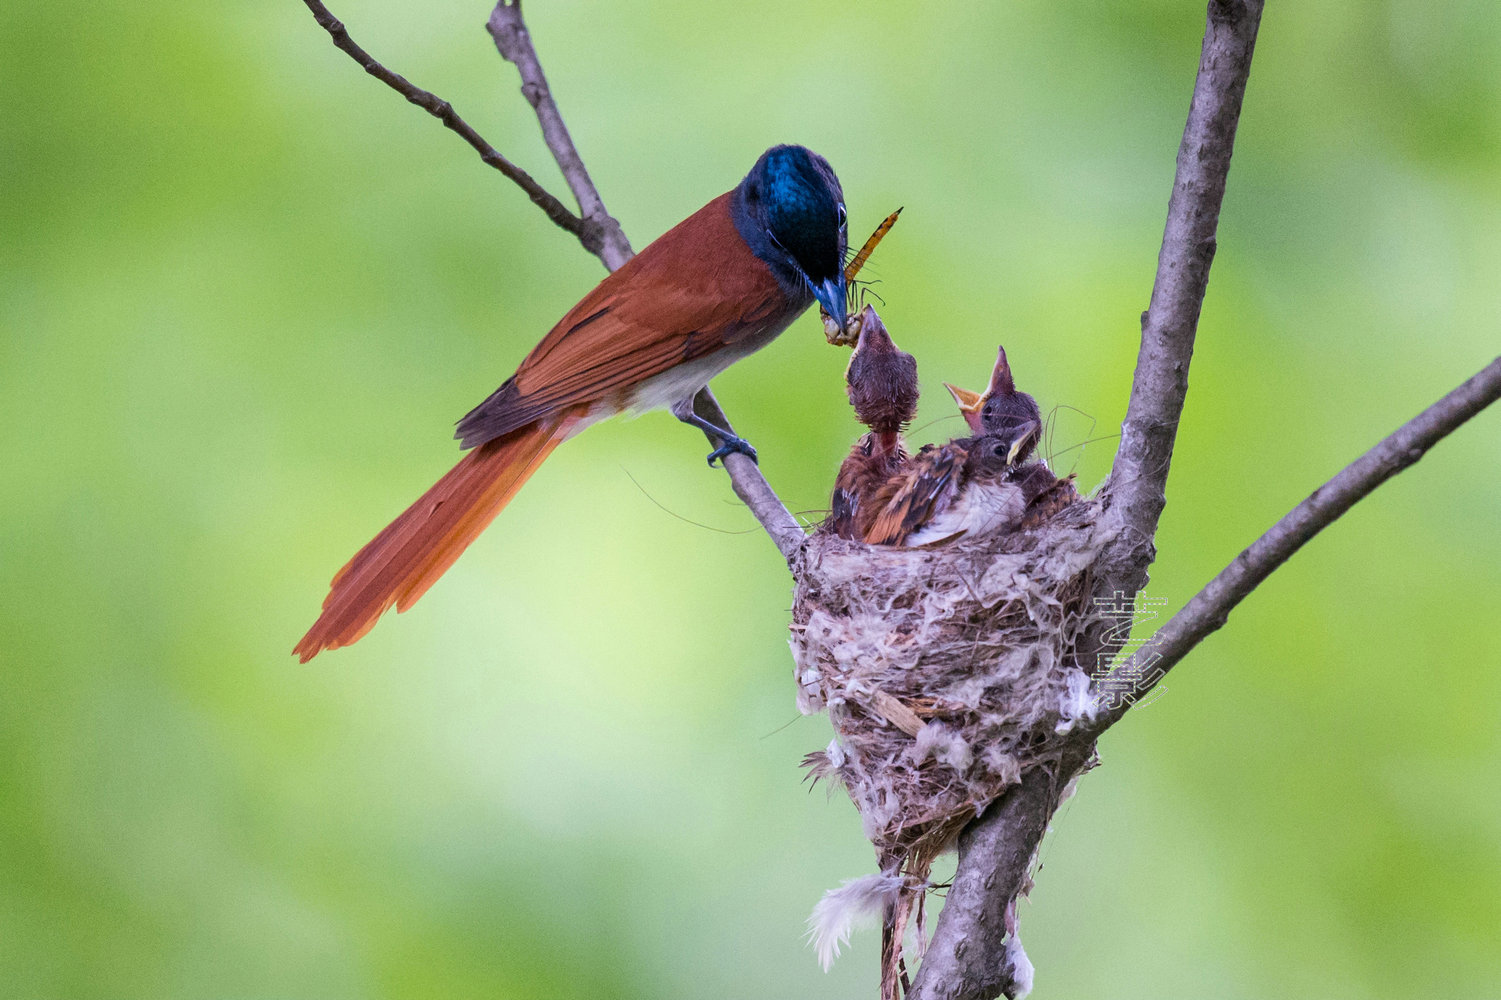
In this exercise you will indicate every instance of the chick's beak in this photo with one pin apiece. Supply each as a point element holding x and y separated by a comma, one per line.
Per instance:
<point>1023,444</point>
<point>1000,377</point>
<point>969,405</point>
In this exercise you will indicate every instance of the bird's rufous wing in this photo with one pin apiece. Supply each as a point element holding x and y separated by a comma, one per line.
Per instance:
<point>696,290</point>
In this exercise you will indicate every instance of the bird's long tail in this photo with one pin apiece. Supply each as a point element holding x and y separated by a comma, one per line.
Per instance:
<point>405,559</point>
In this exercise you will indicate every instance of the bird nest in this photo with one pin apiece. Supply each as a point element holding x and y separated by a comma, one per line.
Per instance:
<point>945,670</point>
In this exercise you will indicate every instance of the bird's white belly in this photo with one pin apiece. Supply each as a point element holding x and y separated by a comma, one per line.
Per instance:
<point>682,381</point>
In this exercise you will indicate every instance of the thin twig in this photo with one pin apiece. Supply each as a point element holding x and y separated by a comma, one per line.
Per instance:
<point>751,486</point>
<point>1210,607</point>
<point>601,234</point>
<point>444,112</point>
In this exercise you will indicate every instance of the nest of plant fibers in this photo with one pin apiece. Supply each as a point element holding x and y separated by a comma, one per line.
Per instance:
<point>944,669</point>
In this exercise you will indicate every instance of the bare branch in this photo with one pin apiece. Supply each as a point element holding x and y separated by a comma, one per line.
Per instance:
<point>444,112</point>
<point>962,963</point>
<point>1210,607</point>
<point>750,486</point>
<point>964,960</point>
<point>601,234</point>
<point>1136,489</point>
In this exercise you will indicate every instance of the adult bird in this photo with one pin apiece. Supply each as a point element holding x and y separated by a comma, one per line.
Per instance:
<point>719,285</point>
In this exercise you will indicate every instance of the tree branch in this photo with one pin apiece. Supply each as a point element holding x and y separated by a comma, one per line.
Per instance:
<point>750,486</point>
<point>1210,607</point>
<point>601,234</point>
<point>598,231</point>
<point>444,112</point>
<point>997,848</point>
<point>995,853</point>
<point>963,961</point>
<point>1136,490</point>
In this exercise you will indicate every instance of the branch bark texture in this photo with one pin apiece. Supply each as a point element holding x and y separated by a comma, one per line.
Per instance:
<point>964,959</point>
<point>751,487</point>
<point>600,233</point>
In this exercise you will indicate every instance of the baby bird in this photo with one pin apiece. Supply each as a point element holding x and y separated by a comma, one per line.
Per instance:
<point>881,381</point>
<point>953,489</point>
<point>1000,409</point>
<point>976,484</point>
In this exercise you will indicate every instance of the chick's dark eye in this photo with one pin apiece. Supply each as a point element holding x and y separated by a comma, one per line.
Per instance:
<point>998,450</point>
<point>841,216</point>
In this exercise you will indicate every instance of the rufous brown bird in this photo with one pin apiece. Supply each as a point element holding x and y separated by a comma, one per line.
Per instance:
<point>1000,409</point>
<point>717,286</point>
<point>881,382</point>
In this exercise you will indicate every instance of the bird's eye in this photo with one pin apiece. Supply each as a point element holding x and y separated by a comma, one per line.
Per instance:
<point>841,215</point>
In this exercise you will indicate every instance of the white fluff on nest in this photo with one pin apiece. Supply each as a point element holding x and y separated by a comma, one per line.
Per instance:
<point>1019,966</point>
<point>858,900</point>
<point>970,640</point>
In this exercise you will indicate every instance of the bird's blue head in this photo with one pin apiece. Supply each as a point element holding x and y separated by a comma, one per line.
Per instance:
<point>790,210</point>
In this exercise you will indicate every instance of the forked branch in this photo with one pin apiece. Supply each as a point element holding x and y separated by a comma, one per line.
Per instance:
<point>601,235</point>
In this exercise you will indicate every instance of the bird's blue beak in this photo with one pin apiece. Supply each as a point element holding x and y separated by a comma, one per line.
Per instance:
<point>831,296</point>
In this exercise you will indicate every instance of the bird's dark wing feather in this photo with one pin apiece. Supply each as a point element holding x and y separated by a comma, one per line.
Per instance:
<point>909,501</point>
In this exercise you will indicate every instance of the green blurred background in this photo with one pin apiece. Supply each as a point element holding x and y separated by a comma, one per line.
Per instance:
<point>245,291</point>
